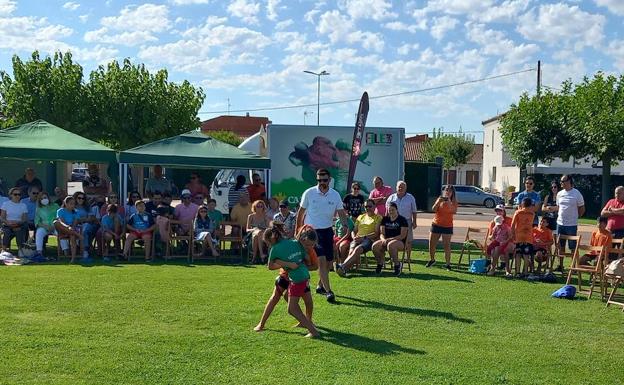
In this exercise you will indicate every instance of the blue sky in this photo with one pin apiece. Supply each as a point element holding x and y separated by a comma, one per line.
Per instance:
<point>254,52</point>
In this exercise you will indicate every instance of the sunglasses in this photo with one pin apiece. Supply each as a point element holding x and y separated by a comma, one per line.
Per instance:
<point>529,183</point>
<point>323,180</point>
<point>565,180</point>
<point>16,194</point>
<point>81,198</point>
<point>199,198</point>
<point>356,189</point>
<point>34,192</point>
<point>283,206</point>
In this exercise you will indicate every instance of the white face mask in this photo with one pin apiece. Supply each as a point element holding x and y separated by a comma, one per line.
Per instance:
<point>45,201</point>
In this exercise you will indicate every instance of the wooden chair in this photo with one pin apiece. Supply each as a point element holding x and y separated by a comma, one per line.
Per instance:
<point>478,242</point>
<point>562,254</point>
<point>615,280</point>
<point>199,251</point>
<point>231,236</point>
<point>178,239</point>
<point>595,271</point>
<point>134,242</point>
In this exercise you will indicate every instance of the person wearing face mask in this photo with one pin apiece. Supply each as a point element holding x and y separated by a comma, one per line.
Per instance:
<point>45,215</point>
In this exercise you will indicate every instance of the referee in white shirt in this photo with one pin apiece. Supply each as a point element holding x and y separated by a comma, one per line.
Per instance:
<point>317,209</point>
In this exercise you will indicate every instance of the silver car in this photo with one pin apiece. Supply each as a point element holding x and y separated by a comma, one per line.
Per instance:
<point>471,195</point>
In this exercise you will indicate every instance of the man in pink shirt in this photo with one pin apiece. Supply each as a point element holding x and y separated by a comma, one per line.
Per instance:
<point>379,194</point>
<point>186,211</point>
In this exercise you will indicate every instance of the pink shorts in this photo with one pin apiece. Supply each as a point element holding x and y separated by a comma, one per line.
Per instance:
<point>141,234</point>
<point>298,289</point>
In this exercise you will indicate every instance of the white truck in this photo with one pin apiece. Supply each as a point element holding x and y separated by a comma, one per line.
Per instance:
<point>296,152</point>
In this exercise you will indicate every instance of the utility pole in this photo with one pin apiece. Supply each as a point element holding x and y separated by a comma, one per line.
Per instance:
<point>539,77</point>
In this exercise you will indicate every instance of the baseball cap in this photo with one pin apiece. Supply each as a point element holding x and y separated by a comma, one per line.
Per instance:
<point>284,202</point>
<point>499,207</point>
<point>185,192</point>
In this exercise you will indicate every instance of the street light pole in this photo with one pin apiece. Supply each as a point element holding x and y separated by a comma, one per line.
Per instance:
<point>318,93</point>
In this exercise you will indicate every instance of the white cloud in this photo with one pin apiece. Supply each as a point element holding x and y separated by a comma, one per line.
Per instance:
<point>72,6</point>
<point>30,33</point>
<point>282,25</point>
<point>127,38</point>
<point>83,18</point>
<point>496,43</point>
<point>271,9</point>
<point>508,11</point>
<point>339,28</point>
<point>459,7</point>
<point>96,54</point>
<point>244,10</point>
<point>616,51</point>
<point>615,6</point>
<point>188,2</point>
<point>560,23</point>
<point>400,26</point>
<point>310,15</point>
<point>7,7</point>
<point>146,17</point>
<point>368,9</point>
<point>405,49</point>
<point>442,25</point>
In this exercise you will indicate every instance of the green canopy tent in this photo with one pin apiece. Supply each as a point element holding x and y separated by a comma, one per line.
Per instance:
<point>42,141</point>
<point>192,150</point>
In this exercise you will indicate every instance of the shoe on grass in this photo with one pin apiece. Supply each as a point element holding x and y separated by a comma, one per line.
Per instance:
<point>447,267</point>
<point>320,290</point>
<point>397,270</point>
<point>341,271</point>
<point>331,297</point>
<point>378,269</point>
<point>430,263</point>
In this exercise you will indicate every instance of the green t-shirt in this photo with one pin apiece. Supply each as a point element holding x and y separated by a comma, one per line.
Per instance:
<point>46,214</point>
<point>341,230</point>
<point>215,216</point>
<point>289,250</point>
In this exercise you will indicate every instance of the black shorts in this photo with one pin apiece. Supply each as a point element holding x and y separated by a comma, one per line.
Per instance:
<point>325,243</point>
<point>282,282</point>
<point>524,248</point>
<point>435,229</point>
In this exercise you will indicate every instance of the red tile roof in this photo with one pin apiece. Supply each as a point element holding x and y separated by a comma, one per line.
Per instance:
<point>243,126</point>
<point>414,147</point>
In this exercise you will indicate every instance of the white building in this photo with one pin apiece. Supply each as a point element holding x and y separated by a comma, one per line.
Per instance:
<point>500,171</point>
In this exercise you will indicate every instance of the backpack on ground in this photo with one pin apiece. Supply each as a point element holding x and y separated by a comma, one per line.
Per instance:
<point>567,292</point>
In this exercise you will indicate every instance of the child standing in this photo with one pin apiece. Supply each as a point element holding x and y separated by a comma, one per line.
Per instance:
<point>543,237</point>
<point>522,228</point>
<point>501,242</point>
<point>600,237</point>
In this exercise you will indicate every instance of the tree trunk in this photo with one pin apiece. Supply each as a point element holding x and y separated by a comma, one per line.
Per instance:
<point>606,179</point>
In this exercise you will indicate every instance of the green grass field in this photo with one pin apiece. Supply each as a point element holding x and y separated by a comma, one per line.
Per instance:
<point>179,324</point>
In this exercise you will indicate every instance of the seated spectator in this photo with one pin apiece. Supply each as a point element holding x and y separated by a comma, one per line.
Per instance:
<point>354,202</point>
<point>158,182</point>
<point>66,225</point>
<point>196,187</point>
<point>342,238</point>
<point>215,215</point>
<point>185,213</point>
<point>94,185</point>
<point>31,204</point>
<point>59,196</point>
<point>14,220</point>
<point>97,206</point>
<point>522,229</point>
<point>113,199</point>
<point>600,237</point>
<point>44,221</point>
<point>285,220</point>
<point>140,226</point>
<point>112,230</point>
<point>614,210</point>
<point>364,234</point>
<point>88,224</point>
<point>257,222</point>
<point>129,208</point>
<point>544,240</point>
<point>272,208</point>
<point>240,213</point>
<point>235,191</point>
<point>393,231</point>
<point>256,189</point>
<point>152,205</point>
<point>27,181</point>
<point>205,228</point>
<point>501,244</point>
<point>165,216</point>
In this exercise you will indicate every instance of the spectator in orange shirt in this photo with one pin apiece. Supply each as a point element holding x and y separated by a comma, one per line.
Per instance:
<point>543,237</point>
<point>442,225</point>
<point>522,228</point>
<point>256,189</point>
<point>600,237</point>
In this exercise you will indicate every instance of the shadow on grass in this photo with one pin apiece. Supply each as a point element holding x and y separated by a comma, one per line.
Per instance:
<point>409,275</point>
<point>402,309</point>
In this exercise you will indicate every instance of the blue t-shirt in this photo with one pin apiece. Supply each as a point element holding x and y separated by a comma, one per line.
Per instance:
<point>32,208</point>
<point>67,217</point>
<point>141,221</point>
<point>108,222</point>
<point>82,212</point>
<point>535,198</point>
<point>202,225</point>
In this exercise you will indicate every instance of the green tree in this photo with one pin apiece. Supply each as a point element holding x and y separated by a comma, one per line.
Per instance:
<point>454,149</point>
<point>585,120</point>
<point>51,89</point>
<point>227,137</point>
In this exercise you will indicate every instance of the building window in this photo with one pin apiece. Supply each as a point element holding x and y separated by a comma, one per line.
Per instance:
<point>472,178</point>
<point>494,174</point>
<point>492,140</point>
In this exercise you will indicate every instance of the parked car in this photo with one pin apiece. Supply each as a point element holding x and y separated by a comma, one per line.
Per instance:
<point>79,174</point>
<point>471,195</point>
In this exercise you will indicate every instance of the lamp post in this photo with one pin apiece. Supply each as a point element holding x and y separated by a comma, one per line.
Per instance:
<point>318,93</point>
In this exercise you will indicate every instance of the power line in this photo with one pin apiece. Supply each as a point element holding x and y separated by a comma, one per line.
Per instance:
<point>372,97</point>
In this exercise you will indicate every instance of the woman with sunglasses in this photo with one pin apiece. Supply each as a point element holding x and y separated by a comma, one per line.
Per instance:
<point>354,202</point>
<point>44,221</point>
<point>65,225</point>
<point>442,226</point>
<point>549,207</point>
<point>113,199</point>
<point>87,223</point>
<point>130,207</point>
<point>14,220</point>
<point>205,229</point>
<point>257,223</point>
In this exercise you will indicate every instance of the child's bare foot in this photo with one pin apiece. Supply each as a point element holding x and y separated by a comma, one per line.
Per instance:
<point>258,328</point>
<point>299,325</point>
<point>312,335</point>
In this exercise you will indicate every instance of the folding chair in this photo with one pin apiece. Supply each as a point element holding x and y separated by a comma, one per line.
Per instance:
<point>616,280</point>
<point>178,239</point>
<point>595,271</point>
<point>478,244</point>
<point>199,245</point>
<point>135,241</point>
<point>232,237</point>
<point>562,254</point>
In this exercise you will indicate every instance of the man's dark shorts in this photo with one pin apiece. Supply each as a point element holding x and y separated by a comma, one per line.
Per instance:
<point>325,244</point>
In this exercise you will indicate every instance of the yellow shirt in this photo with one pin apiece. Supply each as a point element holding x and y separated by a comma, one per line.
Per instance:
<point>366,224</point>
